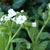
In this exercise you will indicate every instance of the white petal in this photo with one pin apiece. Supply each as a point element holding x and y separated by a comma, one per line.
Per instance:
<point>21,19</point>
<point>34,24</point>
<point>24,17</point>
<point>22,10</point>
<point>6,18</point>
<point>49,5</point>
<point>1,19</point>
<point>11,13</point>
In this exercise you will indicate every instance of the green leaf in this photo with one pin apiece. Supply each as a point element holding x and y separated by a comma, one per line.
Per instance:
<point>11,47</point>
<point>3,40</point>
<point>5,7</point>
<point>21,44</point>
<point>9,27</point>
<point>6,29</point>
<point>43,45</point>
<point>44,35</point>
<point>32,32</point>
<point>40,46</point>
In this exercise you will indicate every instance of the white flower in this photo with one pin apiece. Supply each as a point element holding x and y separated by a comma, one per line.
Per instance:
<point>6,18</point>
<point>1,19</point>
<point>11,13</point>
<point>21,19</point>
<point>22,10</point>
<point>49,5</point>
<point>34,24</point>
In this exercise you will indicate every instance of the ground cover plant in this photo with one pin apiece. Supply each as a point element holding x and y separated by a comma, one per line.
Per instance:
<point>24,24</point>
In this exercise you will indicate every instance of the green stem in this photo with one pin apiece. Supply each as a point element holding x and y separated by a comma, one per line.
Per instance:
<point>16,32</point>
<point>7,45</point>
<point>13,37</point>
<point>29,33</point>
<point>42,28</point>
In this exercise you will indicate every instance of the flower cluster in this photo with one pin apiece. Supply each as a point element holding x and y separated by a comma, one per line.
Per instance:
<point>20,19</point>
<point>11,13</point>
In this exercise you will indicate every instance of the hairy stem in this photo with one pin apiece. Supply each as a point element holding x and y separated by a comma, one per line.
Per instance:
<point>43,28</point>
<point>13,38</point>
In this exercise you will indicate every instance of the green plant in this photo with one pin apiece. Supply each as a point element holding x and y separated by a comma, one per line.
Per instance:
<point>12,37</point>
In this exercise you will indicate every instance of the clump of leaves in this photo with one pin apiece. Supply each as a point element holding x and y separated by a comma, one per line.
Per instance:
<point>11,35</point>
